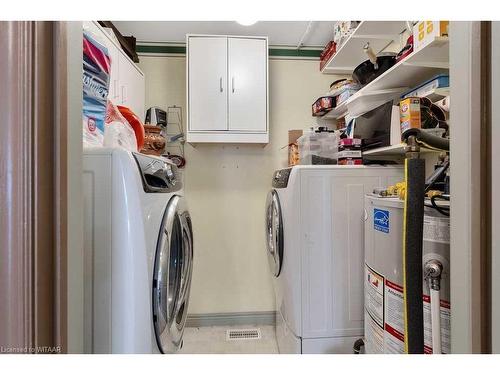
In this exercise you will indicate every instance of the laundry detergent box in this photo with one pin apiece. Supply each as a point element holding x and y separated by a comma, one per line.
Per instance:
<point>96,71</point>
<point>409,113</point>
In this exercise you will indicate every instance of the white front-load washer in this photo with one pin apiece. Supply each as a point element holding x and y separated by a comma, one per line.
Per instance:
<point>138,252</point>
<point>315,242</point>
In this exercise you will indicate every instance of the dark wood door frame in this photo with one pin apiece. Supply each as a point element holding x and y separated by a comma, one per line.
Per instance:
<point>33,183</point>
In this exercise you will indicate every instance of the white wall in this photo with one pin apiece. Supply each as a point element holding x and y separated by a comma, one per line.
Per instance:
<point>226,185</point>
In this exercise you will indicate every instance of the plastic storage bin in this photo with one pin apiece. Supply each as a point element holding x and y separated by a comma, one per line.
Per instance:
<point>318,148</point>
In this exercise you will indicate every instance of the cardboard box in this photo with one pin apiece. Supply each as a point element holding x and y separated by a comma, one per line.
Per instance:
<point>329,51</point>
<point>409,113</point>
<point>342,30</point>
<point>425,32</point>
<point>323,105</point>
<point>293,147</point>
<point>429,87</point>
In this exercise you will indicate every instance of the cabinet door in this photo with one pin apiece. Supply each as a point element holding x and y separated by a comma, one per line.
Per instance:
<point>114,88</point>
<point>136,91</point>
<point>139,92</point>
<point>124,76</point>
<point>126,81</point>
<point>247,84</point>
<point>207,87</point>
<point>132,86</point>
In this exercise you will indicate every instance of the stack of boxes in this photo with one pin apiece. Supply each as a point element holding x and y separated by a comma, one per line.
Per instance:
<point>350,152</point>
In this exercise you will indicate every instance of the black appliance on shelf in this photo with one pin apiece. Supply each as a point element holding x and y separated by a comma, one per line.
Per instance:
<point>156,116</point>
<point>373,127</point>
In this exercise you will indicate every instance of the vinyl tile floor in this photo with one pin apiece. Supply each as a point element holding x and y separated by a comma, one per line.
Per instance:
<point>212,340</point>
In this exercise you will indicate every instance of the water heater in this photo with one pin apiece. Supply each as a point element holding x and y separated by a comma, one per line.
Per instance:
<point>383,284</point>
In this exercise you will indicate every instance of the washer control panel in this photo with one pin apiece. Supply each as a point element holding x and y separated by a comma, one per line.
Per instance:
<point>280,178</point>
<point>158,175</point>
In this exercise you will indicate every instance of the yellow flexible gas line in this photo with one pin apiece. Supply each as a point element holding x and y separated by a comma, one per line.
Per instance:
<point>403,195</point>
<point>404,258</point>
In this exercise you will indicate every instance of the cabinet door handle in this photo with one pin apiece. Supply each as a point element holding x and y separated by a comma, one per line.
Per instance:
<point>220,84</point>
<point>115,89</point>
<point>232,84</point>
<point>124,94</point>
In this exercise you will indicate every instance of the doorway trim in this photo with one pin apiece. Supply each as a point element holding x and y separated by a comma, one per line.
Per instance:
<point>470,212</point>
<point>33,186</point>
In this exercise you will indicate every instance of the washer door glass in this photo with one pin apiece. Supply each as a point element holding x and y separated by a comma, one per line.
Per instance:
<point>169,278</point>
<point>274,233</point>
<point>187,271</point>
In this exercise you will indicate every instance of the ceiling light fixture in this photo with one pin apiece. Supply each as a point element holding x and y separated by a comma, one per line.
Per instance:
<point>246,22</point>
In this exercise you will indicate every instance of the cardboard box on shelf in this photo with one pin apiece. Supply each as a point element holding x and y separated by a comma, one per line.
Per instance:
<point>425,32</point>
<point>342,30</point>
<point>328,52</point>
<point>293,147</point>
<point>323,105</point>
<point>409,113</point>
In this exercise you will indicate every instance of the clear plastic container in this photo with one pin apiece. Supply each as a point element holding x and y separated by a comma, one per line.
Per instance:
<point>318,148</point>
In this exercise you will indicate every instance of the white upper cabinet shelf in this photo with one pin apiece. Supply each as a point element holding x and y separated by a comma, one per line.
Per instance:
<point>227,89</point>
<point>418,67</point>
<point>337,112</point>
<point>379,33</point>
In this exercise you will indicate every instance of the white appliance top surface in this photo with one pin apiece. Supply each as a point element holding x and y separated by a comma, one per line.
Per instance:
<point>344,167</point>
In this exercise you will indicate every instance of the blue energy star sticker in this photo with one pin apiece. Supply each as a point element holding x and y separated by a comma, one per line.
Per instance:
<point>381,220</point>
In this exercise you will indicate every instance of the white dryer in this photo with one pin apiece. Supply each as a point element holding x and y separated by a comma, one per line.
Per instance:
<point>315,241</point>
<point>138,252</point>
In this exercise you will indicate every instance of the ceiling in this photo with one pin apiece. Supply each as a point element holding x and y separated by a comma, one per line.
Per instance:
<point>280,33</point>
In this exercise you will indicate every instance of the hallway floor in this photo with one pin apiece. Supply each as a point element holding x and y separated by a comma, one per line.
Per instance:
<point>212,340</point>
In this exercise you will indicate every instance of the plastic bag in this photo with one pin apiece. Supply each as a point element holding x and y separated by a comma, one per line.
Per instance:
<point>118,132</point>
<point>96,70</point>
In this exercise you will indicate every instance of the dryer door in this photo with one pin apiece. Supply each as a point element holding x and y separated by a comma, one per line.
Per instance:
<point>172,276</point>
<point>274,232</point>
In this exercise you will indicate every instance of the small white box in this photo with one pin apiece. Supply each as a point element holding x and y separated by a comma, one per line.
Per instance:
<point>425,32</point>
<point>349,154</point>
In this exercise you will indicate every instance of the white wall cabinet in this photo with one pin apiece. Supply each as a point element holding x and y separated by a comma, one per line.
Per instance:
<point>126,81</point>
<point>227,89</point>
<point>247,72</point>
<point>208,84</point>
<point>114,89</point>
<point>131,90</point>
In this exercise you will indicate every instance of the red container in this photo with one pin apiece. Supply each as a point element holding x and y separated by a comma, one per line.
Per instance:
<point>328,52</point>
<point>350,144</point>
<point>323,105</point>
<point>406,50</point>
<point>350,161</point>
<point>136,124</point>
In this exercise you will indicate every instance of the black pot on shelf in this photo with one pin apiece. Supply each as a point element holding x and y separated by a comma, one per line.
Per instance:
<point>367,71</point>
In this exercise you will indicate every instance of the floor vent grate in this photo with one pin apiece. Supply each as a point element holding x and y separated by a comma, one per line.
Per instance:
<point>243,334</point>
